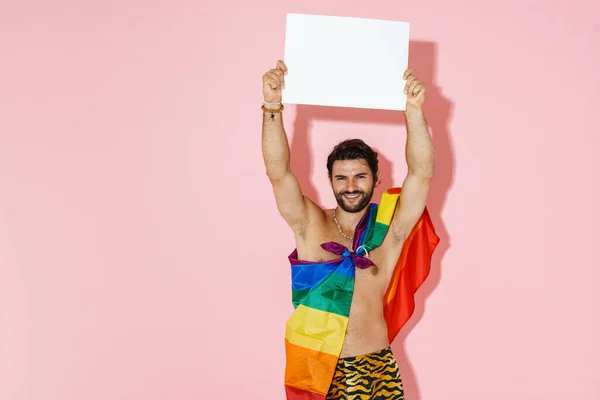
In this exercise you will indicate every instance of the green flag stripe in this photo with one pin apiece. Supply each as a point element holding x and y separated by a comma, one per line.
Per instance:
<point>333,295</point>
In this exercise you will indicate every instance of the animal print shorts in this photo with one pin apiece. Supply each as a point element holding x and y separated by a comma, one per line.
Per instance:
<point>372,376</point>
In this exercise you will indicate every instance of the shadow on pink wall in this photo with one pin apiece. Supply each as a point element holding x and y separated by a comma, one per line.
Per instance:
<point>438,111</point>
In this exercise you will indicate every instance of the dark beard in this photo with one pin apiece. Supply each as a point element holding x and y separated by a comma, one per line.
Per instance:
<point>366,199</point>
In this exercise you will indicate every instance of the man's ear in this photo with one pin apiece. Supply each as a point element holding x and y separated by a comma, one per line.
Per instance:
<point>377,179</point>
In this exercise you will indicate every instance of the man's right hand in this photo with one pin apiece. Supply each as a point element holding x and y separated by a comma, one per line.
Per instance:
<point>274,82</point>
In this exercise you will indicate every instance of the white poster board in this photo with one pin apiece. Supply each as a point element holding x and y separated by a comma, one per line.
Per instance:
<point>345,62</point>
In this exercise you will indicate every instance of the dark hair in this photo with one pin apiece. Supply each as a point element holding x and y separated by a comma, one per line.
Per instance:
<point>353,149</point>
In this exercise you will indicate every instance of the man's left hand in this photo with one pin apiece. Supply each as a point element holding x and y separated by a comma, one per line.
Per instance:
<point>414,90</point>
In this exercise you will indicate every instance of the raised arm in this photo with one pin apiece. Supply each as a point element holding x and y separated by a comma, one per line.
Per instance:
<point>419,158</point>
<point>295,209</point>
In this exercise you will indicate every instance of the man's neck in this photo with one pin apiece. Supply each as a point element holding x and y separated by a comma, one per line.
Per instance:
<point>348,221</point>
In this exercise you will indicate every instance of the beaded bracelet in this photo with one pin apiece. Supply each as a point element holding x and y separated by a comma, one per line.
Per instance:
<point>265,109</point>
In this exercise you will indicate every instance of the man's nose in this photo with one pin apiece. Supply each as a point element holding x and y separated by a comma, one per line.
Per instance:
<point>350,186</point>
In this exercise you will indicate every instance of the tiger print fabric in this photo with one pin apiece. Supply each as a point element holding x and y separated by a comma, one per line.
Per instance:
<point>372,376</point>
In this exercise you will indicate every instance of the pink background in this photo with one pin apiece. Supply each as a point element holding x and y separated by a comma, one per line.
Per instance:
<point>137,263</point>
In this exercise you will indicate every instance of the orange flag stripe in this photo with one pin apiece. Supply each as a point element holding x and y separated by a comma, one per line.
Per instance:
<point>309,369</point>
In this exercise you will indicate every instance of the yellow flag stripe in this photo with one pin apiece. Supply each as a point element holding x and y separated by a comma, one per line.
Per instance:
<point>387,206</point>
<point>316,330</point>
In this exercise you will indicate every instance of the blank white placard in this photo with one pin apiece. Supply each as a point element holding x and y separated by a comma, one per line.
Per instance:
<point>345,62</point>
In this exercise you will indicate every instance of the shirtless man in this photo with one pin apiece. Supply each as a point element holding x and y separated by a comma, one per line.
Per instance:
<point>353,173</point>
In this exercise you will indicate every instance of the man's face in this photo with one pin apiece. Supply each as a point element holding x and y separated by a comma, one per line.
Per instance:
<point>353,183</point>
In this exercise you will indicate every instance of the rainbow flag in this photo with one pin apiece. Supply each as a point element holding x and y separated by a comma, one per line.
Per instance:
<point>322,295</point>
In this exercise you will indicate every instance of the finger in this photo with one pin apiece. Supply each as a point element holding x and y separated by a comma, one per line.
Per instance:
<point>413,84</point>
<point>412,92</point>
<point>275,80</point>
<point>273,84</point>
<point>409,81</point>
<point>269,76</point>
<point>270,81</point>
<point>418,90</point>
<point>281,76</point>
<point>275,75</point>
<point>266,79</point>
<point>408,72</point>
<point>407,84</point>
<point>277,72</point>
<point>281,65</point>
